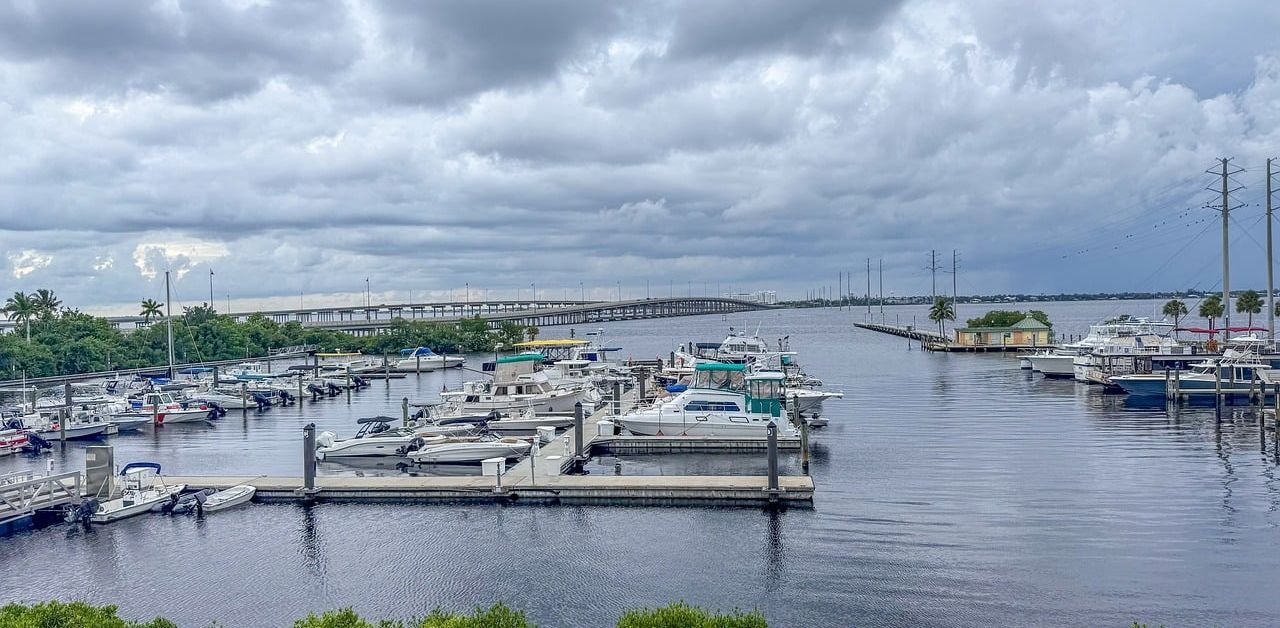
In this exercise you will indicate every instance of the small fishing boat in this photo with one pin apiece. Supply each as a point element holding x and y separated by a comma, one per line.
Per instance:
<point>12,441</point>
<point>166,409</point>
<point>471,451</point>
<point>142,488</point>
<point>229,498</point>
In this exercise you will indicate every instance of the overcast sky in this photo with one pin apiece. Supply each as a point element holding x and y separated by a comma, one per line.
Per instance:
<point>300,147</point>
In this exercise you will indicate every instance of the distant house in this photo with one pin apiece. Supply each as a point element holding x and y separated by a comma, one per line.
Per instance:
<point>1027,332</point>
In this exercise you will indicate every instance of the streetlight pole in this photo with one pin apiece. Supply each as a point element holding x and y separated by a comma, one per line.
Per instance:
<point>211,305</point>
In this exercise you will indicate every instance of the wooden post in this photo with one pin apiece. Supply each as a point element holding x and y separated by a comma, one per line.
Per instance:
<point>386,368</point>
<point>1168,377</point>
<point>347,376</point>
<point>299,389</point>
<point>1275,428</point>
<point>216,377</point>
<point>1217,390</point>
<point>1177,384</point>
<point>404,412</point>
<point>417,363</point>
<point>244,399</point>
<point>155,409</point>
<point>617,398</point>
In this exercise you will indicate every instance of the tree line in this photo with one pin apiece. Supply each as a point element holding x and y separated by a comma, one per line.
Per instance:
<point>1249,303</point>
<point>54,340</point>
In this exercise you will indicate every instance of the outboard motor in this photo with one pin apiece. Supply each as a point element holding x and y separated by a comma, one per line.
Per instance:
<point>264,402</point>
<point>36,445</point>
<point>419,415</point>
<point>414,445</point>
<point>360,382</point>
<point>333,389</point>
<point>286,399</point>
<point>316,391</point>
<point>215,410</point>
<point>82,512</point>
<point>168,506</point>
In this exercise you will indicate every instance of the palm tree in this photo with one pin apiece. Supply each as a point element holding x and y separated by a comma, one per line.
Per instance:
<point>20,307</point>
<point>1175,309</point>
<point>150,307</point>
<point>1249,302</point>
<point>940,312</point>
<point>46,304</point>
<point>1211,308</point>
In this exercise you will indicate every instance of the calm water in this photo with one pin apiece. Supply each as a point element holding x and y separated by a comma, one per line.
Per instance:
<point>952,490</point>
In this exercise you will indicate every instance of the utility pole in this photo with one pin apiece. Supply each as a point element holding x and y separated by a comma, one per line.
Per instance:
<point>933,270</point>
<point>882,291</point>
<point>214,307</point>
<point>1271,288</point>
<point>868,289</point>
<point>1225,172</point>
<point>954,303</point>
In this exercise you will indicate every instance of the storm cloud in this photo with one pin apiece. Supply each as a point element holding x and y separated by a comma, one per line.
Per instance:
<point>297,148</point>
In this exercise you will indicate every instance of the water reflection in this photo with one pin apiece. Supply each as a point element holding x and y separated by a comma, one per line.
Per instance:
<point>775,552</point>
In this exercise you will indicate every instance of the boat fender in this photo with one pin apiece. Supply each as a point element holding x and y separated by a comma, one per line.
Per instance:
<point>325,439</point>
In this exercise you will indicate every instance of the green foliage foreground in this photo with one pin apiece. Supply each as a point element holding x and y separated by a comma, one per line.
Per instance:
<point>81,615</point>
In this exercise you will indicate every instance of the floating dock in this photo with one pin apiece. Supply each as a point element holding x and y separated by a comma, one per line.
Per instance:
<point>544,477</point>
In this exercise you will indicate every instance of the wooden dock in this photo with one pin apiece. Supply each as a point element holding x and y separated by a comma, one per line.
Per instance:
<point>921,335</point>
<point>544,477</point>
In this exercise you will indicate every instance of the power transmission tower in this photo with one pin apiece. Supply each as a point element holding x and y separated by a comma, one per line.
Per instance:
<point>1225,170</point>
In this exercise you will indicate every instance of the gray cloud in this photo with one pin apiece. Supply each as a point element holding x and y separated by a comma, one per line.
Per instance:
<point>301,147</point>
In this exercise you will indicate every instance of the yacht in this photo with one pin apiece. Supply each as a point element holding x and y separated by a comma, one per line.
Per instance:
<point>1235,369</point>
<point>12,440</point>
<point>420,359</point>
<point>1128,354</point>
<point>724,400</point>
<point>519,382</point>
<point>141,489</point>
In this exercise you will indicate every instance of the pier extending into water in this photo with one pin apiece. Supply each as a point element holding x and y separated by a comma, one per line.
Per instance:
<point>549,475</point>
<point>906,331</point>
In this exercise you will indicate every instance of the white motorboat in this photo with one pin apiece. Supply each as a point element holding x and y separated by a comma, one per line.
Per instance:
<point>422,359</point>
<point>229,498</point>
<point>80,425</point>
<point>519,382</point>
<point>1056,363</point>
<point>723,401</point>
<point>142,488</point>
<point>526,421</point>
<point>165,409</point>
<point>807,399</point>
<point>375,437</point>
<point>130,423</point>
<point>472,451</point>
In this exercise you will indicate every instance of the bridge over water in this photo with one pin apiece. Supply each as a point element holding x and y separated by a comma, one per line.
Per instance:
<point>368,319</point>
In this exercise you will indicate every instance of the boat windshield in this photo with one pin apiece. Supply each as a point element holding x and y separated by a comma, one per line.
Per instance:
<point>717,379</point>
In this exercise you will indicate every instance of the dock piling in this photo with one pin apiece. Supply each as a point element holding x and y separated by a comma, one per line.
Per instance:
<point>386,369</point>
<point>404,411</point>
<point>216,377</point>
<point>347,375</point>
<point>1275,428</point>
<point>244,399</point>
<point>617,398</point>
<point>773,459</point>
<point>577,438</point>
<point>309,458</point>
<point>300,389</point>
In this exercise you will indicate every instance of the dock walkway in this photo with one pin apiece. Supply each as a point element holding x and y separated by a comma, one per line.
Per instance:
<point>542,478</point>
<point>905,332</point>
<point>24,492</point>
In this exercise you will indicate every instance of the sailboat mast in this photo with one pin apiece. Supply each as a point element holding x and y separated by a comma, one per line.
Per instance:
<point>1226,258</point>
<point>1271,287</point>
<point>168,320</point>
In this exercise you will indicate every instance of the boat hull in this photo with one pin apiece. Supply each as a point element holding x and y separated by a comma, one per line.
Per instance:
<point>425,365</point>
<point>362,447</point>
<point>1057,366</point>
<point>650,424</point>
<point>80,432</point>
<point>229,498</point>
<point>128,509</point>
<point>469,453</point>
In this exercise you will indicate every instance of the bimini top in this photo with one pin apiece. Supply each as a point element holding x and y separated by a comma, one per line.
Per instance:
<point>340,354</point>
<point>417,351</point>
<point>522,357</point>
<point>717,366</point>
<point>767,375</point>
<point>552,342</point>
<point>375,419</point>
<point>134,467</point>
